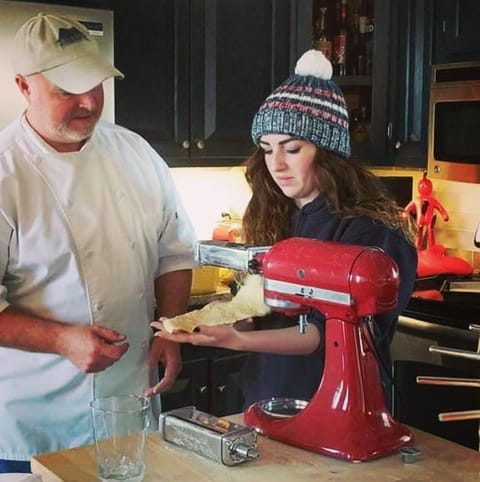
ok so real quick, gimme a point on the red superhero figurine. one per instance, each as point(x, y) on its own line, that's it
point(432, 258)
point(423, 208)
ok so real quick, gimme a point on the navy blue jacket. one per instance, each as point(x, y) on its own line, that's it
point(292, 376)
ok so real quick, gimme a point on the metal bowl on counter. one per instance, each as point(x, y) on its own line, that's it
point(283, 407)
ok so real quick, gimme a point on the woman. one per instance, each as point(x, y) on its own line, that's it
point(303, 184)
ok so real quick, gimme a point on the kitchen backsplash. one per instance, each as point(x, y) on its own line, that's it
point(461, 200)
point(207, 192)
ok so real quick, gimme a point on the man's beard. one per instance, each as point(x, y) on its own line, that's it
point(68, 134)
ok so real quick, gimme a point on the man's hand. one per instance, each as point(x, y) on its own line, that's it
point(167, 353)
point(92, 348)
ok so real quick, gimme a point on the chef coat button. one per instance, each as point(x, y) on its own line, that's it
point(99, 307)
point(132, 244)
point(140, 295)
point(144, 344)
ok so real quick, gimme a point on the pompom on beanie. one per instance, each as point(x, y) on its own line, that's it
point(308, 105)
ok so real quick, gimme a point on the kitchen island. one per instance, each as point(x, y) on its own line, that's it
point(440, 460)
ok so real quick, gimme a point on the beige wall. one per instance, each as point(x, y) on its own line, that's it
point(207, 192)
point(462, 202)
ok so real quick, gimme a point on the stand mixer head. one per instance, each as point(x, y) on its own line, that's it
point(347, 417)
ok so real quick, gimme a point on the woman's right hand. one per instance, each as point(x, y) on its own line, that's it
point(221, 336)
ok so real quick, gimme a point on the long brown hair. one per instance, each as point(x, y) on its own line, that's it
point(349, 188)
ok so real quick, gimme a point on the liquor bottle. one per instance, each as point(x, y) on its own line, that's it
point(369, 36)
point(355, 65)
point(323, 40)
point(361, 129)
point(340, 41)
point(360, 56)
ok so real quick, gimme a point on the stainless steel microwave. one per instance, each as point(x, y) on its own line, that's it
point(454, 122)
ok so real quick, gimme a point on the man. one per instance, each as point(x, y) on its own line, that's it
point(93, 241)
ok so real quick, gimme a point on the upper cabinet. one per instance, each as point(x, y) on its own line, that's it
point(424, 32)
point(355, 34)
point(411, 34)
point(196, 71)
point(457, 33)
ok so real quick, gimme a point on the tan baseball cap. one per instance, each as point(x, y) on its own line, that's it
point(63, 50)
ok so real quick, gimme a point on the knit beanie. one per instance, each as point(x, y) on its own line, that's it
point(308, 105)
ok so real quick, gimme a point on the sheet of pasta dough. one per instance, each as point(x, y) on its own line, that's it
point(248, 302)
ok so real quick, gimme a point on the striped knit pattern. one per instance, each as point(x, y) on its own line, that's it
point(309, 108)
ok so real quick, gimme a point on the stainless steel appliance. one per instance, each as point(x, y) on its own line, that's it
point(454, 122)
point(212, 437)
point(13, 14)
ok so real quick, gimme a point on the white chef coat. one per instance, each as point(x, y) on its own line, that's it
point(83, 236)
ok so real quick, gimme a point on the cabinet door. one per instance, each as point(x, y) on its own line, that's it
point(369, 91)
point(190, 387)
point(457, 36)
point(409, 91)
point(152, 50)
point(239, 52)
point(225, 396)
point(196, 71)
point(379, 128)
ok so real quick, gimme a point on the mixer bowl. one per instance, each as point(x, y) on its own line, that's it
point(283, 407)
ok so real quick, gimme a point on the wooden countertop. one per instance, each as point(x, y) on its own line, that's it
point(440, 460)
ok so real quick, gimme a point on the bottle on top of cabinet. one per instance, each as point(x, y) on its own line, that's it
point(340, 39)
point(322, 38)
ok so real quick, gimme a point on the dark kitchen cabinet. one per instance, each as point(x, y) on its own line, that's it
point(226, 397)
point(425, 323)
point(424, 32)
point(457, 33)
point(190, 387)
point(209, 380)
point(370, 91)
point(196, 71)
point(418, 405)
point(411, 33)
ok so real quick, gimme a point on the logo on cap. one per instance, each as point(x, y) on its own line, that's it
point(68, 36)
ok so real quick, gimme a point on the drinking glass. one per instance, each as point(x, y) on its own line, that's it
point(120, 425)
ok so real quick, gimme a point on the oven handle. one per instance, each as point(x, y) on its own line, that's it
point(455, 416)
point(452, 381)
point(471, 355)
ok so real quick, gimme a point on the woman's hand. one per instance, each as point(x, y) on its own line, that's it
point(222, 336)
point(282, 341)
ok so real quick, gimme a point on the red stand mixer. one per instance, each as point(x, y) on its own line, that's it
point(347, 417)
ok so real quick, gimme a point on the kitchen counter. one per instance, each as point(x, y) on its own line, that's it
point(222, 293)
point(440, 460)
point(455, 315)
point(433, 302)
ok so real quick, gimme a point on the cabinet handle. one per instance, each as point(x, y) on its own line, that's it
point(202, 389)
point(200, 145)
point(221, 388)
point(398, 144)
point(389, 130)
point(186, 144)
